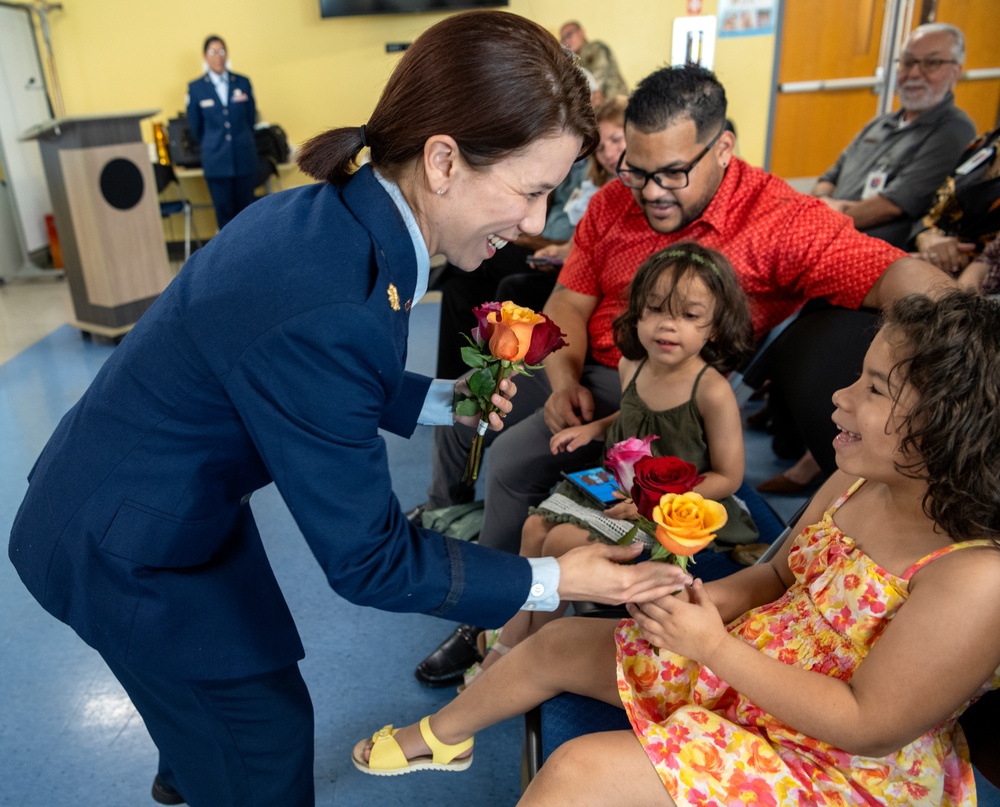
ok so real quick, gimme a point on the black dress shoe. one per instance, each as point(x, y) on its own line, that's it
point(164, 793)
point(445, 666)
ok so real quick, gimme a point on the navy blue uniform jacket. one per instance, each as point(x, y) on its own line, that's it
point(226, 150)
point(275, 354)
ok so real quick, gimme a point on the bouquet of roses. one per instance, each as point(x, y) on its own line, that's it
point(682, 521)
point(507, 338)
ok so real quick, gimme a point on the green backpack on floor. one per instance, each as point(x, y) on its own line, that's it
point(461, 521)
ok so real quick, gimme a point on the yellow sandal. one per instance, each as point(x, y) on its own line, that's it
point(387, 758)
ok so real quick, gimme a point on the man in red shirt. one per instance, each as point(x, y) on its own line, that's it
point(680, 181)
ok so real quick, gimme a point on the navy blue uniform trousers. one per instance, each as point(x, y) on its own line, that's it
point(230, 743)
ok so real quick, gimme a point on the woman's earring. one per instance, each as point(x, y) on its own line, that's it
point(440, 191)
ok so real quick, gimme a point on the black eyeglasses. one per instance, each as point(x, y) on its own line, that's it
point(670, 179)
point(926, 66)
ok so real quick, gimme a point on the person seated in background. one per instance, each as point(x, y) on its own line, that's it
point(832, 675)
point(965, 216)
point(679, 181)
point(596, 57)
point(886, 178)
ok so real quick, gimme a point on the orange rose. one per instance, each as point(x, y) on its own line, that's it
point(510, 330)
point(687, 522)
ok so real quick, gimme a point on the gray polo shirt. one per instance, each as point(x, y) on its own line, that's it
point(916, 157)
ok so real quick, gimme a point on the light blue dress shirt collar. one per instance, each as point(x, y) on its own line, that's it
point(419, 247)
point(221, 83)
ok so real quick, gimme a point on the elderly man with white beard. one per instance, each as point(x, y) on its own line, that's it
point(886, 178)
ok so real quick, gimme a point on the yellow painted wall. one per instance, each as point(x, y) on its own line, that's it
point(310, 73)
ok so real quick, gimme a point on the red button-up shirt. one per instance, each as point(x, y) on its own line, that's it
point(786, 247)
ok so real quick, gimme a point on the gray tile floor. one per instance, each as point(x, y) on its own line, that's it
point(68, 734)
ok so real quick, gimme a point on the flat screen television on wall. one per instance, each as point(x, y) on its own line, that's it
point(350, 8)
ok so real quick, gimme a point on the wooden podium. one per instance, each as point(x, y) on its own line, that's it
point(107, 215)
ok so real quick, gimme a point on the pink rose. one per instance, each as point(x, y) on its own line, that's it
point(623, 456)
point(546, 338)
point(481, 333)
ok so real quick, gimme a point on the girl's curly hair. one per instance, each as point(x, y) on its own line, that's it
point(948, 351)
point(732, 342)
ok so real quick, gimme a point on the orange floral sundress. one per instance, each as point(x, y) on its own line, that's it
point(714, 748)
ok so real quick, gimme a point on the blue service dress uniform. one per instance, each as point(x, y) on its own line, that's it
point(275, 355)
point(225, 134)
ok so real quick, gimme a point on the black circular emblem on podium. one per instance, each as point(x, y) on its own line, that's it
point(122, 183)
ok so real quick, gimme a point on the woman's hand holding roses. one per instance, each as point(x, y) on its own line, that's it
point(501, 400)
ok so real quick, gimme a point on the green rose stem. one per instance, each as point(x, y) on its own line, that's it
point(497, 372)
point(656, 553)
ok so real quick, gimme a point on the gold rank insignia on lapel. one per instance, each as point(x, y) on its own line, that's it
point(393, 297)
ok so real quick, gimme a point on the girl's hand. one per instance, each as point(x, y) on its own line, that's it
point(625, 509)
point(692, 629)
point(570, 439)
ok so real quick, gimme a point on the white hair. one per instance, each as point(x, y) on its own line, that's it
point(957, 48)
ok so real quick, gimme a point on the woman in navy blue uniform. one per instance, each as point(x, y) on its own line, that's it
point(277, 354)
point(221, 111)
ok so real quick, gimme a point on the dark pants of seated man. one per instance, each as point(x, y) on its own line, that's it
point(815, 356)
point(229, 743)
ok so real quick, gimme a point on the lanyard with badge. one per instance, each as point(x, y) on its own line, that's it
point(875, 182)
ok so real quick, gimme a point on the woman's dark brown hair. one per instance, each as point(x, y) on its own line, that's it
point(732, 341)
point(494, 81)
point(209, 40)
point(948, 352)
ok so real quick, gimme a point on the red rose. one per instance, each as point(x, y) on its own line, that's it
point(656, 476)
point(546, 338)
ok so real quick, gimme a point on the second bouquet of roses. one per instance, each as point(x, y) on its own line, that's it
point(507, 338)
point(682, 522)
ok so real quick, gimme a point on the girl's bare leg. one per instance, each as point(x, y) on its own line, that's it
point(533, 534)
point(570, 655)
point(596, 770)
point(539, 538)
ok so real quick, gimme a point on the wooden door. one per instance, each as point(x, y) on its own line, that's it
point(824, 42)
point(978, 19)
point(840, 44)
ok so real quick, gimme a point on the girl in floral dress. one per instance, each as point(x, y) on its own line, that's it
point(833, 675)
